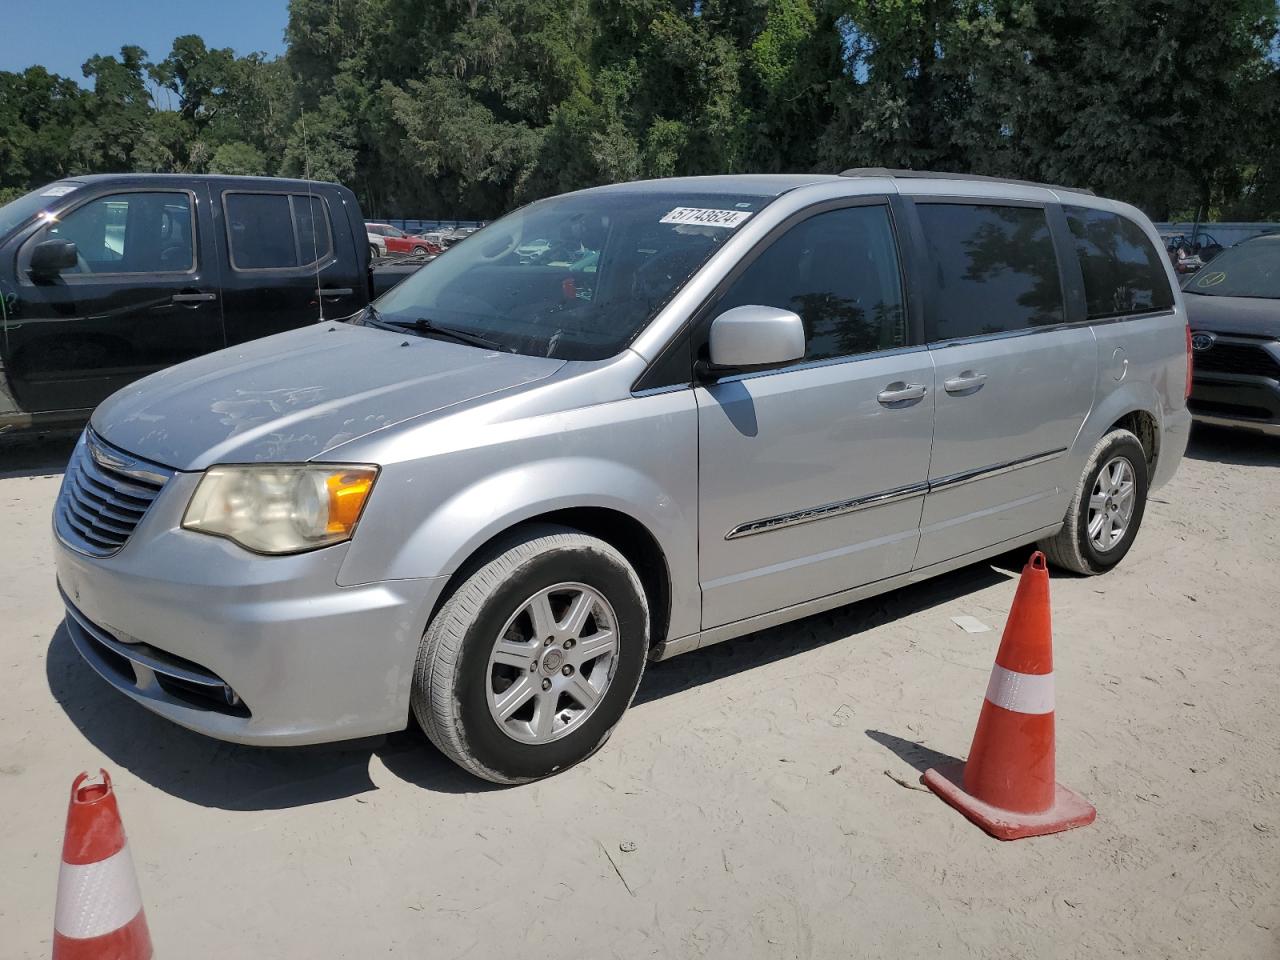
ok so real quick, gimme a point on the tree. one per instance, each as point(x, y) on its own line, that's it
point(468, 107)
point(238, 159)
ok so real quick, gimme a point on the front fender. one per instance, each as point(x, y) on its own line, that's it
point(637, 456)
point(455, 529)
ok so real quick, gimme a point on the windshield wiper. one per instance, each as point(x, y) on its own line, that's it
point(373, 318)
point(430, 328)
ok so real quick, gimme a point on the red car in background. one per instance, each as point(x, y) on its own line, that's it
point(400, 242)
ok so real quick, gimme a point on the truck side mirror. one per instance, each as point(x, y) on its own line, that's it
point(756, 337)
point(51, 257)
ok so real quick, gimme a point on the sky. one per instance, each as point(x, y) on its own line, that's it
point(62, 34)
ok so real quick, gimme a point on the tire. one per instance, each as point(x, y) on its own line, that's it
point(456, 684)
point(1073, 547)
point(373, 252)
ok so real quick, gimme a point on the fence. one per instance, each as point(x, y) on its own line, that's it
point(1227, 234)
point(431, 226)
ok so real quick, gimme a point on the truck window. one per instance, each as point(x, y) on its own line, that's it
point(1123, 273)
point(994, 269)
point(130, 233)
point(274, 231)
point(839, 271)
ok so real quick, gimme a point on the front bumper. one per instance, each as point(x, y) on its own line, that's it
point(251, 649)
point(1236, 400)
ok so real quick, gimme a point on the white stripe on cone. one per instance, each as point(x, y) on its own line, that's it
point(1021, 692)
point(97, 898)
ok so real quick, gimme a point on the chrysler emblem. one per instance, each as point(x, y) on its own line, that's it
point(1200, 342)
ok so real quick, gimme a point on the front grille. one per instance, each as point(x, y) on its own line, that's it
point(1237, 358)
point(105, 493)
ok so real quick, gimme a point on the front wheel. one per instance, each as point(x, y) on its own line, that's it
point(1106, 510)
point(530, 664)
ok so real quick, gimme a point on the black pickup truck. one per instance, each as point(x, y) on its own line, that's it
point(104, 279)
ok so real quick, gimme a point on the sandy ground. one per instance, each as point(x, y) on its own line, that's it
point(769, 785)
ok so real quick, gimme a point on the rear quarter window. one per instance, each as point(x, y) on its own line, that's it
point(1123, 272)
point(275, 231)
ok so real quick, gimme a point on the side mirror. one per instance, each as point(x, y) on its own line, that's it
point(51, 257)
point(756, 337)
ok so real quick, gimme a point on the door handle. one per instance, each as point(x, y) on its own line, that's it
point(337, 292)
point(899, 392)
point(968, 380)
point(194, 297)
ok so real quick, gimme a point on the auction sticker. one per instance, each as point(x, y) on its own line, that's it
point(706, 217)
point(59, 190)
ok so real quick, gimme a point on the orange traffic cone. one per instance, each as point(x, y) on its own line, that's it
point(1007, 787)
point(99, 912)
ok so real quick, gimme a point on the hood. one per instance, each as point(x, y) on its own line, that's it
point(1252, 316)
point(293, 396)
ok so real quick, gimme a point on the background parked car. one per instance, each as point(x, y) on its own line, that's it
point(1233, 307)
point(396, 240)
point(104, 279)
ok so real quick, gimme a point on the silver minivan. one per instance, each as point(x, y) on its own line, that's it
point(702, 407)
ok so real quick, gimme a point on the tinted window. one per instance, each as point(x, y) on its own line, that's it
point(260, 226)
point(275, 230)
point(1123, 272)
point(130, 233)
point(839, 271)
point(312, 224)
point(994, 267)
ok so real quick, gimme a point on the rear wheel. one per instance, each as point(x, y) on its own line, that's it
point(373, 252)
point(530, 664)
point(1106, 510)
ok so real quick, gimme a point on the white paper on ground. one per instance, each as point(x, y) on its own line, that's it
point(970, 624)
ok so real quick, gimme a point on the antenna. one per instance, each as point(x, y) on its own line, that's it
point(311, 211)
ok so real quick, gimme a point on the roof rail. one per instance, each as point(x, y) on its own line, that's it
point(937, 175)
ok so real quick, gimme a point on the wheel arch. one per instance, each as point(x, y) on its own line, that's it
point(1134, 407)
point(620, 530)
point(1143, 425)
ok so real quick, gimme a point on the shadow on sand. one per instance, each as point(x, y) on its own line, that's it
point(228, 776)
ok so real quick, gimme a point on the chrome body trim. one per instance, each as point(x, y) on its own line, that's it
point(895, 495)
point(121, 462)
point(739, 628)
point(827, 510)
point(982, 473)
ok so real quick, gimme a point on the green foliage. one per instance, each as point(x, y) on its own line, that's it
point(468, 107)
point(239, 159)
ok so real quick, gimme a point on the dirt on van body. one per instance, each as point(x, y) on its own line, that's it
point(761, 799)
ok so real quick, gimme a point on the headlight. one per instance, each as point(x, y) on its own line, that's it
point(281, 509)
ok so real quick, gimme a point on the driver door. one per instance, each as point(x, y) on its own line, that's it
point(143, 296)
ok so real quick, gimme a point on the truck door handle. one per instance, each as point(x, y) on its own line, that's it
point(899, 392)
point(337, 292)
point(968, 380)
point(194, 297)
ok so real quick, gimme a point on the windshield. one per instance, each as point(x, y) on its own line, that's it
point(574, 277)
point(17, 212)
point(1249, 270)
